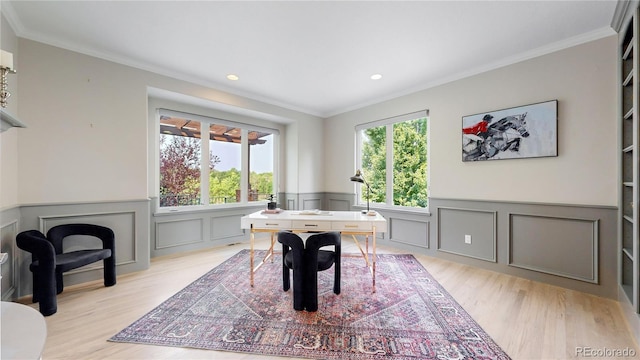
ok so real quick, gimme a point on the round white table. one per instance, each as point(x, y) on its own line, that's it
point(23, 332)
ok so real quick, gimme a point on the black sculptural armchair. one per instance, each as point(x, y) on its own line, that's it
point(320, 260)
point(49, 261)
point(293, 258)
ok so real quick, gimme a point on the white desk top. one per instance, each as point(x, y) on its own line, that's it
point(317, 215)
point(23, 332)
point(335, 220)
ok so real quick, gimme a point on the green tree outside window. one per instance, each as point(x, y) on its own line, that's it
point(408, 164)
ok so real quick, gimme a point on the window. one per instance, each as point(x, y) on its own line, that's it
point(236, 164)
point(392, 155)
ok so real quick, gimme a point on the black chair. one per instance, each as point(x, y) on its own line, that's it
point(49, 262)
point(320, 260)
point(293, 258)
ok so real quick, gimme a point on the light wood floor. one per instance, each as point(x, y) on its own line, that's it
point(529, 320)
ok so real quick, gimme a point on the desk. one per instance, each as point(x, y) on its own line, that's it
point(346, 222)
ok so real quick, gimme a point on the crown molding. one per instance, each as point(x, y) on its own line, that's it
point(12, 18)
point(527, 55)
point(622, 7)
point(623, 10)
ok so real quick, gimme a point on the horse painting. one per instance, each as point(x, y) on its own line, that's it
point(487, 141)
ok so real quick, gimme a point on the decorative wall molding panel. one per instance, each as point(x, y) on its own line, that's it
point(129, 220)
point(171, 233)
point(468, 232)
point(559, 246)
point(311, 203)
point(502, 235)
point(190, 230)
point(409, 232)
point(571, 246)
point(225, 227)
point(10, 279)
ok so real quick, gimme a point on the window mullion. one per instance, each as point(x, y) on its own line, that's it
point(204, 164)
point(358, 165)
point(389, 165)
point(244, 174)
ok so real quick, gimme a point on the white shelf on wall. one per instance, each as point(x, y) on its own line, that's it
point(629, 222)
point(9, 120)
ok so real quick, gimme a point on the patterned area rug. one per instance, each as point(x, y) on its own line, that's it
point(410, 316)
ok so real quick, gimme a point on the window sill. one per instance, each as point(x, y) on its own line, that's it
point(209, 208)
point(394, 209)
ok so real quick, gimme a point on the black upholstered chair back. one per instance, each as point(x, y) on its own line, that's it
point(43, 268)
point(293, 258)
point(320, 260)
point(57, 234)
point(42, 250)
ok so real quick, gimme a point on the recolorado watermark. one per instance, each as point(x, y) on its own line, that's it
point(604, 352)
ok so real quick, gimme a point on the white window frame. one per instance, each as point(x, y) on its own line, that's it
point(205, 122)
point(389, 122)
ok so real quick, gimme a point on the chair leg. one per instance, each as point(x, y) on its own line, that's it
point(59, 282)
point(36, 291)
point(337, 268)
point(286, 285)
point(298, 290)
point(46, 293)
point(109, 265)
point(311, 296)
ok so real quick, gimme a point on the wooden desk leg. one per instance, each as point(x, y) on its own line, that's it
point(373, 259)
point(273, 242)
point(366, 245)
point(365, 256)
point(251, 258)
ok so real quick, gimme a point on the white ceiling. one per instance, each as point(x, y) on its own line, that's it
point(313, 56)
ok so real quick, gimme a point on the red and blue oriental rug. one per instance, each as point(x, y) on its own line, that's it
point(410, 316)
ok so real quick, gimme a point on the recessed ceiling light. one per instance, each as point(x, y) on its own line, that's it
point(376, 77)
point(232, 77)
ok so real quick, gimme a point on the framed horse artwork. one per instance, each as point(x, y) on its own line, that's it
point(521, 132)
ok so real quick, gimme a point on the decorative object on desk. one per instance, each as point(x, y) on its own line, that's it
point(410, 316)
point(271, 205)
point(315, 212)
point(274, 211)
point(6, 67)
point(515, 133)
point(359, 178)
